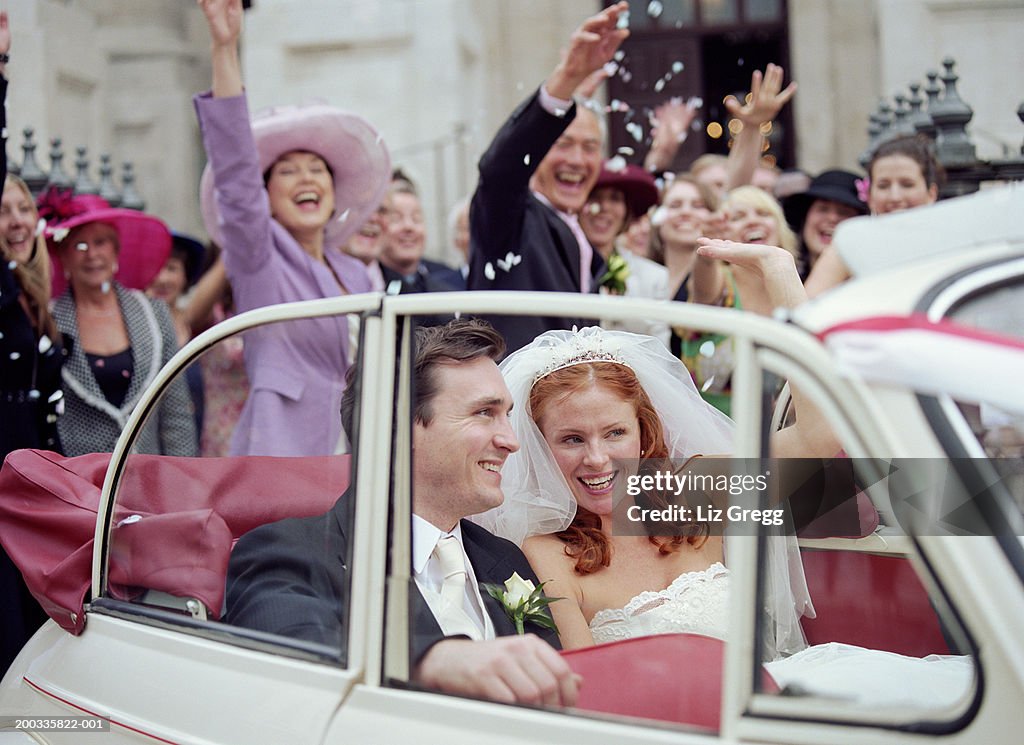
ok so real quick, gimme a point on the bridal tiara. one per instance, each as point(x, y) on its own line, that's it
point(580, 348)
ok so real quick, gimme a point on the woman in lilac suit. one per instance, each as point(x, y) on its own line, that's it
point(281, 197)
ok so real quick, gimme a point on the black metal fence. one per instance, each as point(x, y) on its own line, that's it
point(126, 195)
point(942, 116)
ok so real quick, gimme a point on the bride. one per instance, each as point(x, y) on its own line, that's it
point(583, 402)
point(586, 401)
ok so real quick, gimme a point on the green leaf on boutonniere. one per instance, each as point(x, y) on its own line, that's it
point(523, 602)
point(614, 279)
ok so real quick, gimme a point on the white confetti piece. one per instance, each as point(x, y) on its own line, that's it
point(677, 67)
point(616, 164)
point(489, 270)
point(654, 8)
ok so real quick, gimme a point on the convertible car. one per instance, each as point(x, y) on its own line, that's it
point(916, 574)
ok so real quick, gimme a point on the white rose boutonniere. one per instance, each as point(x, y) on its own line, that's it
point(523, 602)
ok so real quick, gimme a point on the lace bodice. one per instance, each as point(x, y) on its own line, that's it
point(695, 602)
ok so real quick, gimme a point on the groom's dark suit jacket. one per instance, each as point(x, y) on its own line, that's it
point(291, 578)
point(507, 221)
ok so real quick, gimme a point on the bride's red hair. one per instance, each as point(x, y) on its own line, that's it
point(584, 539)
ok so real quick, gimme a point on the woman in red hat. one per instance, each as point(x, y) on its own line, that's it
point(116, 339)
point(621, 194)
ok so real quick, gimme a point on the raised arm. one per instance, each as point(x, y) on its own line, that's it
point(828, 271)
point(591, 46)
point(208, 290)
point(810, 436)
point(224, 20)
point(767, 98)
point(672, 124)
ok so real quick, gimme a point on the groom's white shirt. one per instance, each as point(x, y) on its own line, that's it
point(427, 574)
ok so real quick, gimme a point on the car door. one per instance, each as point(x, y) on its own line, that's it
point(157, 657)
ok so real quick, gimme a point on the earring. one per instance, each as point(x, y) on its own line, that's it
point(642, 451)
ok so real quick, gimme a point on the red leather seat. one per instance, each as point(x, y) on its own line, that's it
point(871, 601)
point(671, 677)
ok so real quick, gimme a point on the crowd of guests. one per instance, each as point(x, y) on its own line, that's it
point(302, 203)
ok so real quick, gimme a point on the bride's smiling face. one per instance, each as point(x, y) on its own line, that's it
point(588, 430)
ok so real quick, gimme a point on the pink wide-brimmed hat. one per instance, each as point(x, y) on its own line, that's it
point(144, 240)
point(352, 149)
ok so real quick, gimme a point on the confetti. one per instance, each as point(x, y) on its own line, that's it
point(619, 55)
point(654, 8)
point(610, 68)
point(659, 86)
point(344, 215)
point(34, 395)
point(488, 270)
point(626, 151)
point(616, 164)
point(40, 226)
point(593, 208)
point(677, 67)
point(105, 288)
point(508, 262)
point(659, 216)
point(623, 21)
point(82, 246)
point(15, 355)
point(12, 265)
point(44, 344)
point(740, 62)
point(707, 349)
point(627, 76)
point(526, 159)
point(636, 130)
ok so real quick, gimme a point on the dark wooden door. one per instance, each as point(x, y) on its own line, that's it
point(703, 48)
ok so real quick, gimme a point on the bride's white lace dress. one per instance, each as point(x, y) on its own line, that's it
point(698, 603)
point(695, 602)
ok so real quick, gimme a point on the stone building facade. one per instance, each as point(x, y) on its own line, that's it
point(437, 77)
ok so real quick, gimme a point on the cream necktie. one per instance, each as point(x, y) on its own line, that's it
point(453, 618)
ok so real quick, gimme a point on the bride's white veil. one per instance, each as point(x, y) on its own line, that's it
point(538, 500)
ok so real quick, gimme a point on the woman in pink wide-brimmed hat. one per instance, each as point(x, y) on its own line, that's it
point(116, 339)
point(281, 195)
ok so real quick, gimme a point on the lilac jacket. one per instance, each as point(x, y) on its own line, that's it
point(297, 369)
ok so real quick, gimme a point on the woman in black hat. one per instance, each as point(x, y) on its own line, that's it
point(814, 214)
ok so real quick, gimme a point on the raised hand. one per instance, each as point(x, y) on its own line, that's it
point(767, 97)
point(224, 19)
point(591, 83)
point(774, 265)
point(591, 46)
point(671, 124)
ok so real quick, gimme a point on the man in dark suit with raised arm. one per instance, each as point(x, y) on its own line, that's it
point(291, 577)
point(534, 180)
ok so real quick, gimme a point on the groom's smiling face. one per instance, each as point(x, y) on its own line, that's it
point(458, 454)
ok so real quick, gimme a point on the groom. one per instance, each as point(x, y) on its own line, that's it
point(291, 577)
